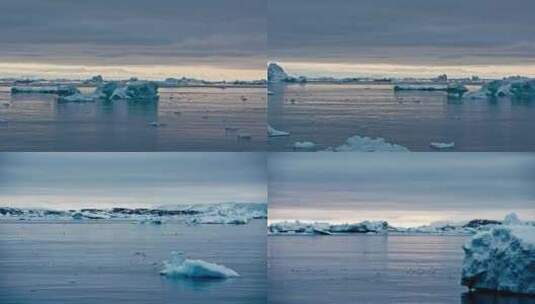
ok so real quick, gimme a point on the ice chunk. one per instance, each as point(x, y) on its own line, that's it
point(366, 144)
point(307, 145)
point(135, 90)
point(501, 259)
point(276, 73)
point(272, 132)
point(195, 269)
point(512, 219)
point(515, 87)
point(441, 145)
point(62, 90)
point(78, 97)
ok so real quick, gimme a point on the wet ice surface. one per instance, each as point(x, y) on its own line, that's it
point(328, 114)
point(120, 262)
point(370, 268)
point(184, 119)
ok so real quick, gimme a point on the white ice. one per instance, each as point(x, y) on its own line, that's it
point(180, 267)
point(305, 145)
point(501, 259)
point(272, 132)
point(366, 144)
point(442, 146)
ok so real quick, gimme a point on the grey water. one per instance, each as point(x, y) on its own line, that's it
point(327, 114)
point(111, 262)
point(193, 119)
point(370, 269)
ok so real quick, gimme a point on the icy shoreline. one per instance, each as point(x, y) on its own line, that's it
point(382, 227)
point(220, 213)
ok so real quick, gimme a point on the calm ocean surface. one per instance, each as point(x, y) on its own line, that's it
point(120, 262)
point(196, 119)
point(370, 269)
point(327, 114)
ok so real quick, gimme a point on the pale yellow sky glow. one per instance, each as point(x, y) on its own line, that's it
point(402, 218)
point(150, 72)
point(315, 69)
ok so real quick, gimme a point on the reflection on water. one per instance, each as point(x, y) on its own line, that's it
point(328, 114)
point(493, 298)
point(184, 119)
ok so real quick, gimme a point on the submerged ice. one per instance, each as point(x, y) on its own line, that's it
point(180, 267)
point(501, 259)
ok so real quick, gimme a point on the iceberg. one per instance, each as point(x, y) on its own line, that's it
point(366, 144)
point(276, 73)
point(136, 90)
point(62, 90)
point(501, 259)
point(305, 145)
point(179, 267)
point(514, 87)
point(272, 132)
point(326, 228)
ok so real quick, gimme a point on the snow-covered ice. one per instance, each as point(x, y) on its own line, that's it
point(180, 267)
point(366, 144)
point(272, 132)
point(219, 213)
point(62, 90)
point(501, 259)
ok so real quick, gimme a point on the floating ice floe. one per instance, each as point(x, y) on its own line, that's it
point(366, 144)
point(442, 146)
point(288, 227)
point(501, 259)
point(304, 145)
point(272, 132)
point(62, 90)
point(515, 87)
point(179, 267)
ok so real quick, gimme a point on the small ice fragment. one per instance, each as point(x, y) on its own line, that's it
point(270, 93)
point(179, 267)
point(157, 124)
point(272, 132)
point(440, 145)
point(304, 145)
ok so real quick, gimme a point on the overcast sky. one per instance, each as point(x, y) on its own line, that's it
point(158, 38)
point(74, 180)
point(410, 37)
point(404, 189)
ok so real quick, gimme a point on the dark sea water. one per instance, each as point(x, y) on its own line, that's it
point(370, 269)
point(120, 262)
point(327, 114)
point(196, 119)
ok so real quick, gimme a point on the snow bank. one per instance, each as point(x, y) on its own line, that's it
point(272, 132)
point(195, 269)
point(501, 259)
point(62, 90)
point(276, 73)
point(515, 87)
point(366, 144)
